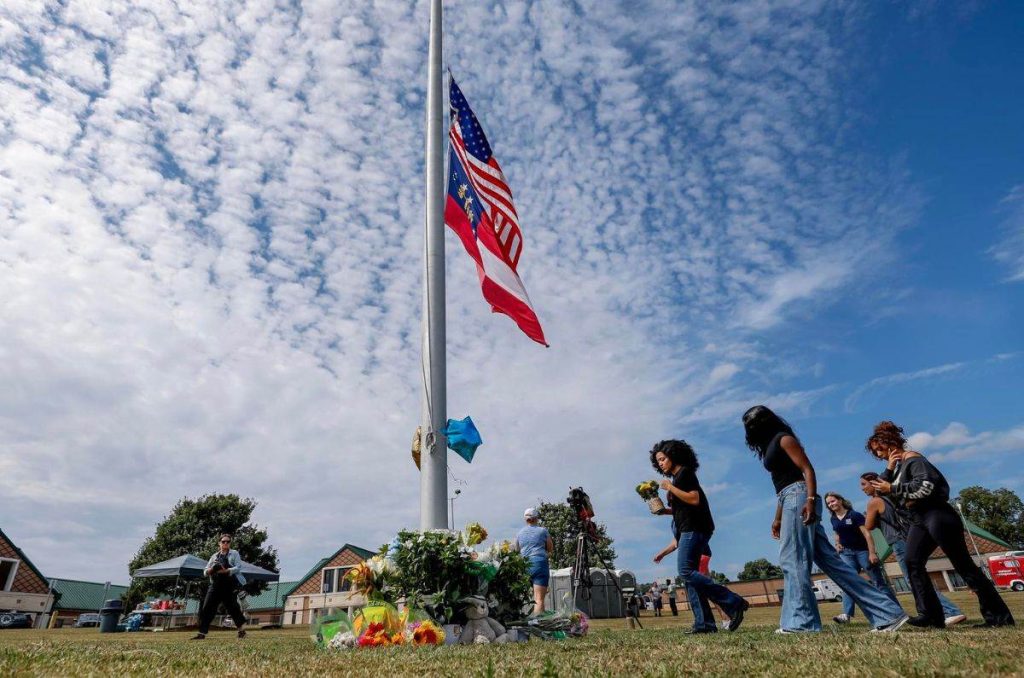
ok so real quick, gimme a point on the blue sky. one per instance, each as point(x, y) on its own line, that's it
point(210, 225)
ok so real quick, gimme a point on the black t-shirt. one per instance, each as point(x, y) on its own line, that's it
point(687, 517)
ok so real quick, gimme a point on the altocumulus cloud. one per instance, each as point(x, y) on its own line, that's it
point(211, 253)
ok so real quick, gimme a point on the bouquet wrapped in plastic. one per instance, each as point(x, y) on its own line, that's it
point(333, 631)
point(648, 491)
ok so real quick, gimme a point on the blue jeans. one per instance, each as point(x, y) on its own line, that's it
point(699, 588)
point(949, 609)
point(859, 561)
point(803, 546)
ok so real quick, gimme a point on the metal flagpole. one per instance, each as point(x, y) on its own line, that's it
point(434, 455)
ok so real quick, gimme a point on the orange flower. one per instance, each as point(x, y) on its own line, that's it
point(427, 633)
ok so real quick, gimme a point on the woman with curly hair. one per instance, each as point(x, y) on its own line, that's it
point(856, 548)
point(803, 541)
point(914, 484)
point(692, 527)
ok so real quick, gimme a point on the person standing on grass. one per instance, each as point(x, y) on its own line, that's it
point(692, 527)
point(670, 592)
point(856, 547)
point(534, 543)
point(803, 541)
point(884, 515)
point(656, 599)
point(914, 484)
point(225, 572)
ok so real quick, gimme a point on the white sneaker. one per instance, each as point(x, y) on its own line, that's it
point(955, 619)
point(784, 632)
point(893, 626)
point(841, 619)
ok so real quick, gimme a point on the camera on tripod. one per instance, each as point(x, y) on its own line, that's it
point(580, 503)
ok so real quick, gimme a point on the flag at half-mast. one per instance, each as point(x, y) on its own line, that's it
point(479, 209)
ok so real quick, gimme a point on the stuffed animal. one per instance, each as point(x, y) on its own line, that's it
point(480, 628)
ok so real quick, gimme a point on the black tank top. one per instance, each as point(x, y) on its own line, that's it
point(784, 471)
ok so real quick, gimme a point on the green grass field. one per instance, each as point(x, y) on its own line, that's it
point(611, 649)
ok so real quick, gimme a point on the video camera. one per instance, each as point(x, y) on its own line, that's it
point(580, 503)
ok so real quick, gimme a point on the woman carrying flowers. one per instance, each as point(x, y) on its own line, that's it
point(692, 527)
point(534, 543)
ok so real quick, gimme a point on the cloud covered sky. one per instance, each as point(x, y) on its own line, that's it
point(210, 257)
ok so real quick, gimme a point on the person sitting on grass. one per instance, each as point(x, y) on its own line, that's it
point(224, 571)
point(803, 541)
point(856, 547)
point(884, 515)
point(692, 527)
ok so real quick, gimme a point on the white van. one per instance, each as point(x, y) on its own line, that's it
point(826, 589)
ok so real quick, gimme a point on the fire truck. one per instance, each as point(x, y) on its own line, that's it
point(1008, 570)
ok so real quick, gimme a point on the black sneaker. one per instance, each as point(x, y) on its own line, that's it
point(695, 632)
point(993, 625)
point(241, 633)
point(198, 636)
point(737, 617)
point(923, 622)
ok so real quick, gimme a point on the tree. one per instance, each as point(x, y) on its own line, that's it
point(194, 526)
point(1001, 512)
point(719, 578)
point(563, 525)
point(759, 569)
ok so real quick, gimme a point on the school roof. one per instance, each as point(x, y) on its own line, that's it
point(84, 595)
point(358, 550)
point(21, 555)
point(273, 597)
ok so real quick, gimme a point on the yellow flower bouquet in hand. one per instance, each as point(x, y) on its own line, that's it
point(648, 491)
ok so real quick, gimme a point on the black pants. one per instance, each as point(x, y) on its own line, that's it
point(672, 604)
point(941, 526)
point(220, 593)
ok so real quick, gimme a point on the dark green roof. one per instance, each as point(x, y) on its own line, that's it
point(985, 534)
point(273, 597)
point(83, 595)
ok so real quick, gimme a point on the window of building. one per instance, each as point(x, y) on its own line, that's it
point(957, 580)
point(8, 568)
point(294, 617)
point(333, 580)
point(899, 584)
point(327, 580)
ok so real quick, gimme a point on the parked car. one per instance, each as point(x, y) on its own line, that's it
point(88, 619)
point(15, 620)
point(826, 589)
point(1007, 571)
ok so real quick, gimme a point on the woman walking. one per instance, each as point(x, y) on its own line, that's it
point(914, 484)
point(884, 515)
point(534, 543)
point(692, 527)
point(856, 548)
point(803, 540)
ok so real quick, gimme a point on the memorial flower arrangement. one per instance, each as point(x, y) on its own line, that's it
point(431, 572)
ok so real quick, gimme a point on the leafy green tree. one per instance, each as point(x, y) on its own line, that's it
point(719, 578)
point(761, 568)
point(1001, 512)
point(194, 526)
point(563, 525)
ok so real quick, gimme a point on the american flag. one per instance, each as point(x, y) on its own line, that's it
point(479, 209)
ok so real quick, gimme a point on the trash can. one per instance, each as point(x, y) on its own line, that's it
point(109, 615)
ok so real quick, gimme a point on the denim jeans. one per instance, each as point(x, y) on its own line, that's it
point(949, 608)
point(803, 546)
point(859, 560)
point(699, 588)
